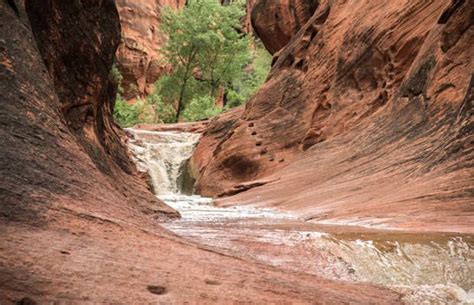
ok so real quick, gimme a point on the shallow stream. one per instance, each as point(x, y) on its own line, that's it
point(430, 268)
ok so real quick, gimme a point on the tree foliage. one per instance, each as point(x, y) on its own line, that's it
point(128, 115)
point(206, 49)
point(201, 107)
point(209, 54)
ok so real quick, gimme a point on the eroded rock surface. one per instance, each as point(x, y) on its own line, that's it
point(366, 119)
point(76, 226)
point(59, 142)
point(277, 21)
point(139, 56)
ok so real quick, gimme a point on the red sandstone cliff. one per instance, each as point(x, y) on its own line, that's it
point(59, 142)
point(366, 118)
point(277, 21)
point(138, 55)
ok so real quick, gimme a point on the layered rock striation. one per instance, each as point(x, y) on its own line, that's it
point(366, 118)
point(275, 22)
point(75, 221)
point(60, 146)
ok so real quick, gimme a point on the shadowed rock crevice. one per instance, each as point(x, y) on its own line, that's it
point(13, 6)
point(453, 7)
point(276, 21)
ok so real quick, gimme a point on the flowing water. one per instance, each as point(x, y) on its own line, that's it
point(426, 268)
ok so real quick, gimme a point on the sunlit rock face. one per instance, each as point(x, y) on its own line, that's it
point(366, 119)
point(139, 56)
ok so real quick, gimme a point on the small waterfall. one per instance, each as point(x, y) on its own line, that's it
point(164, 155)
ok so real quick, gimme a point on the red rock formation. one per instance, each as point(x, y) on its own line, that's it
point(138, 56)
point(60, 143)
point(277, 21)
point(75, 226)
point(367, 115)
point(248, 28)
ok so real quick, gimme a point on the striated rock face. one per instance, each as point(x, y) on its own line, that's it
point(138, 55)
point(74, 224)
point(60, 148)
point(277, 21)
point(366, 119)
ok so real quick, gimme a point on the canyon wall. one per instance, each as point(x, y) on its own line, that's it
point(366, 118)
point(275, 22)
point(138, 55)
point(60, 148)
point(75, 222)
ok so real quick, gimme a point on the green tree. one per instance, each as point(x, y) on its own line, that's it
point(164, 112)
point(241, 89)
point(206, 49)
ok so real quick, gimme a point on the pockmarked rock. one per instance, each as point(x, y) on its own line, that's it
point(366, 119)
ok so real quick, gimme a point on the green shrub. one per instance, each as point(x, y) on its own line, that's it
point(128, 115)
point(201, 107)
point(164, 112)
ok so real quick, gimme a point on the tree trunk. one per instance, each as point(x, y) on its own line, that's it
point(180, 101)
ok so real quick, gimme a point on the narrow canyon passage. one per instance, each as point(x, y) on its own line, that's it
point(431, 267)
point(332, 163)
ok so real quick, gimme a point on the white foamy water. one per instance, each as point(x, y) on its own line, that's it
point(163, 155)
point(426, 270)
point(197, 208)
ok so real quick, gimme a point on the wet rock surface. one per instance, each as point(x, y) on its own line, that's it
point(365, 120)
point(425, 268)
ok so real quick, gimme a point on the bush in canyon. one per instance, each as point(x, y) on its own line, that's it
point(201, 107)
point(128, 114)
point(207, 50)
point(163, 112)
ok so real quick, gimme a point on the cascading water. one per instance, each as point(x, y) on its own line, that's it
point(427, 269)
point(164, 155)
